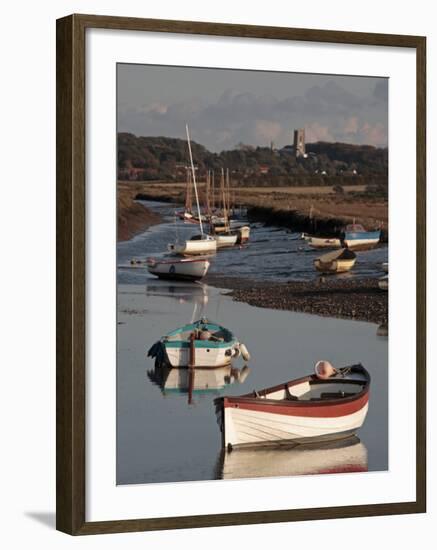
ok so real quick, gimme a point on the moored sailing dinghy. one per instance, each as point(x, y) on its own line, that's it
point(338, 261)
point(356, 237)
point(222, 231)
point(199, 344)
point(199, 244)
point(191, 269)
point(328, 405)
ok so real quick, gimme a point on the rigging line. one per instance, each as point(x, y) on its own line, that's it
point(194, 180)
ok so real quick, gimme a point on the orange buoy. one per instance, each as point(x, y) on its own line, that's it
point(324, 370)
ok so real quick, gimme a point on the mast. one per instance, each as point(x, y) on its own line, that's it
point(213, 192)
point(207, 188)
point(194, 180)
point(228, 192)
point(188, 199)
point(223, 189)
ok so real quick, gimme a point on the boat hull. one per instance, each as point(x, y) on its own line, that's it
point(205, 357)
point(225, 241)
point(245, 426)
point(321, 242)
point(195, 247)
point(243, 234)
point(383, 283)
point(192, 270)
point(336, 266)
point(361, 240)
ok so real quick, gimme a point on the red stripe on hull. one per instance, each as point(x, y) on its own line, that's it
point(320, 410)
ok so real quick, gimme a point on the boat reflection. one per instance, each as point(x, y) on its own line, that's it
point(347, 455)
point(196, 381)
point(182, 292)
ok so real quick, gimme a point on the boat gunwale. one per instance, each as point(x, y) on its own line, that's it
point(250, 398)
point(200, 343)
point(175, 261)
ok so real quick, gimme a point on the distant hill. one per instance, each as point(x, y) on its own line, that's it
point(166, 159)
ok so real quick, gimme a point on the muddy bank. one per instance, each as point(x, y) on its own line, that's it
point(132, 217)
point(359, 300)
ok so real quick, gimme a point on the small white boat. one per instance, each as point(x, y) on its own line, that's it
point(338, 261)
point(328, 405)
point(335, 457)
point(225, 240)
point(191, 269)
point(201, 344)
point(199, 244)
point(383, 283)
point(243, 234)
point(323, 242)
point(356, 237)
point(384, 267)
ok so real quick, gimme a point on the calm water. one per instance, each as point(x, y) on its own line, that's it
point(272, 253)
point(162, 438)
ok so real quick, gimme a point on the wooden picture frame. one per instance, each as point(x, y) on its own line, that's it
point(71, 247)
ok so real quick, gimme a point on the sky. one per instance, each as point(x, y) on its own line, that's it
point(224, 107)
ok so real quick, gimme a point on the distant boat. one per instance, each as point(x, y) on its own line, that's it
point(201, 344)
point(220, 227)
point(225, 240)
point(335, 457)
point(338, 261)
point(198, 244)
point(323, 242)
point(191, 269)
point(383, 282)
point(243, 234)
point(314, 408)
point(356, 237)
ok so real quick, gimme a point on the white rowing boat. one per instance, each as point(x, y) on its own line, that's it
point(314, 408)
point(338, 261)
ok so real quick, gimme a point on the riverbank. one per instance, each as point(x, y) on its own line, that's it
point(309, 209)
point(132, 217)
point(358, 299)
